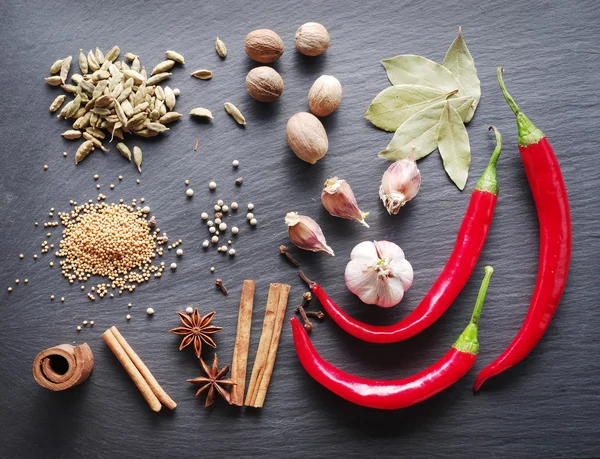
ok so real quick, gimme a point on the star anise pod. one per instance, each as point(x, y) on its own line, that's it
point(213, 382)
point(196, 329)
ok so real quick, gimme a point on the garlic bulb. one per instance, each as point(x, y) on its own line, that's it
point(306, 233)
point(338, 198)
point(400, 183)
point(378, 273)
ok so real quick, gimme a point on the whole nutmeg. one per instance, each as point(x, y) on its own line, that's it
point(264, 46)
point(306, 136)
point(312, 39)
point(264, 84)
point(325, 95)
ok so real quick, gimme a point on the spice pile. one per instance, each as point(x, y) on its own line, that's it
point(115, 96)
point(115, 241)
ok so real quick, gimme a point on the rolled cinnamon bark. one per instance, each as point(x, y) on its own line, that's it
point(80, 363)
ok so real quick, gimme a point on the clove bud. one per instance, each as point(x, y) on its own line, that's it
point(400, 184)
point(306, 234)
point(339, 200)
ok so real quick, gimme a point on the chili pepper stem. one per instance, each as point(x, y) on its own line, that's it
point(488, 181)
point(467, 341)
point(528, 133)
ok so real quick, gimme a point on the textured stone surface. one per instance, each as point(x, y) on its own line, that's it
point(545, 407)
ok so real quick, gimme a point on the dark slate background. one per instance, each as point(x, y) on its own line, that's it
point(548, 406)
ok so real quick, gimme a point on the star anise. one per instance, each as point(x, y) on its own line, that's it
point(196, 329)
point(213, 382)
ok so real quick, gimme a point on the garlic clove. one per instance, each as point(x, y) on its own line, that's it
point(365, 252)
point(362, 282)
point(339, 200)
point(306, 233)
point(388, 250)
point(400, 183)
point(402, 270)
point(389, 292)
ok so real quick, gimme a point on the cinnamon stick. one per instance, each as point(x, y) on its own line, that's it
point(162, 396)
point(80, 363)
point(242, 343)
point(267, 347)
point(135, 375)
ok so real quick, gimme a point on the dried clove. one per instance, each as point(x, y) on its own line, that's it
point(283, 250)
point(319, 315)
point(219, 283)
point(301, 310)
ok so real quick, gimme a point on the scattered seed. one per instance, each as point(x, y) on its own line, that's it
point(189, 192)
point(173, 265)
point(238, 181)
point(202, 74)
point(175, 56)
point(176, 91)
point(214, 239)
point(201, 113)
point(57, 102)
point(234, 205)
point(253, 222)
point(21, 256)
point(205, 243)
point(211, 185)
point(212, 269)
point(196, 144)
point(179, 252)
point(235, 113)
point(128, 316)
point(62, 299)
point(249, 215)
point(78, 327)
point(149, 311)
point(235, 163)
point(51, 297)
point(45, 167)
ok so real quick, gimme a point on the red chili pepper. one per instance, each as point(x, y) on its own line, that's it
point(550, 196)
point(459, 267)
point(400, 393)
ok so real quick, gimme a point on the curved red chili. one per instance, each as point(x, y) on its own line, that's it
point(550, 196)
point(400, 393)
point(459, 267)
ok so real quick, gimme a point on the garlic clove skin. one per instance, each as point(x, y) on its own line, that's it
point(378, 273)
point(306, 233)
point(339, 200)
point(400, 183)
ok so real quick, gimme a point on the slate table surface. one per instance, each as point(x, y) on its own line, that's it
point(548, 406)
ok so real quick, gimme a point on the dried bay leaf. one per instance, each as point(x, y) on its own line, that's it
point(421, 131)
point(453, 144)
point(412, 69)
point(394, 105)
point(460, 62)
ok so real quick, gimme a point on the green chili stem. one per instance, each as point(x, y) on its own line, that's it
point(488, 181)
point(528, 133)
point(467, 341)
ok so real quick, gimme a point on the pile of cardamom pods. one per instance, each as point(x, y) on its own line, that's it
point(114, 96)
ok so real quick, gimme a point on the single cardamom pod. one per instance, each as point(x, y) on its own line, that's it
point(159, 93)
point(169, 117)
point(84, 149)
point(202, 74)
point(157, 127)
point(55, 68)
point(99, 56)
point(113, 54)
point(163, 67)
point(82, 122)
point(96, 133)
point(235, 113)
point(71, 134)
point(93, 64)
point(201, 112)
point(175, 56)
point(143, 132)
point(170, 100)
point(137, 158)
point(127, 108)
point(120, 114)
point(135, 65)
point(76, 78)
point(65, 68)
point(140, 108)
point(69, 88)
point(103, 101)
point(54, 80)
point(75, 104)
point(124, 150)
point(155, 79)
point(137, 77)
point(130, 56)
point(56, 103)
point(221, 48)
point(83, 63)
